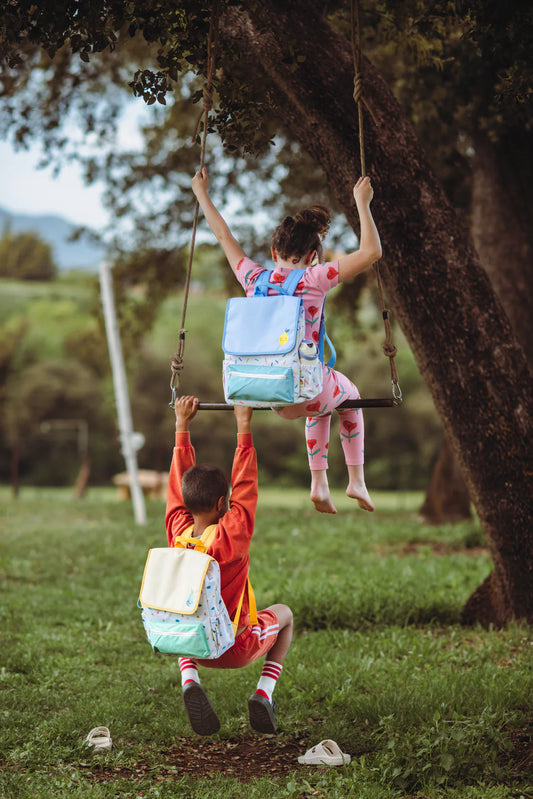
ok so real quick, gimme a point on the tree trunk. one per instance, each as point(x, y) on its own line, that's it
point(502, 210)
point(461, 339)
point(82, 480)
point(15, 459)
point(447, 498)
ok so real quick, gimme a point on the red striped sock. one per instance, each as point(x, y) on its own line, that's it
point(189, 671)
point(268, 679)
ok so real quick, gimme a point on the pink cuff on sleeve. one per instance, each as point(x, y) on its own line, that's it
point(183, 440)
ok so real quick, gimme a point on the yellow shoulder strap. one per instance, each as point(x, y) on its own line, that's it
point(251, 603)
point(208, 535)
point(202, 543)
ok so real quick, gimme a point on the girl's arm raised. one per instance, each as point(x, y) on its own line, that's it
point(370, 245)
point(232, 249)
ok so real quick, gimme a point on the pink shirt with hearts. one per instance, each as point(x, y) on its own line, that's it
point(313, 287)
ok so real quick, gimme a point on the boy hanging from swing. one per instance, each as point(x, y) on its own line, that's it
point(200, 494)
point(296, 244)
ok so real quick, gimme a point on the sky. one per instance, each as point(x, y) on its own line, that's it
point(26, 189)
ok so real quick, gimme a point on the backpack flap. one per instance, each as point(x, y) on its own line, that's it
point(173, 579)
point(261, 325)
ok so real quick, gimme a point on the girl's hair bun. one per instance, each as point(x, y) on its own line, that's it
point(302, 233)
point(317, 217)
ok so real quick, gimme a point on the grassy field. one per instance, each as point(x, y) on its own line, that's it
point(379, 661)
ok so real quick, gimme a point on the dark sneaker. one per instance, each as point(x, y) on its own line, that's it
point(202, 717)
point(262, 714)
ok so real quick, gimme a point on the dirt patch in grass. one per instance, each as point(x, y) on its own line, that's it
point(436, 547)
point(520, 756)
point(246, 759)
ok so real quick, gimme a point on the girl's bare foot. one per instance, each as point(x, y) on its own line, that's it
point(357, 489)
point(320, 496)
point(362, 496)
point(323, 505)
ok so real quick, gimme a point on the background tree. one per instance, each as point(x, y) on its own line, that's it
point(10, 338)
point(25, 256)
point(50, 391)
point(447, 498)
point(461, 338)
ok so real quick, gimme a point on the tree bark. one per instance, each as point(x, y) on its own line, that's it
point(502, 210)
point(456, 327)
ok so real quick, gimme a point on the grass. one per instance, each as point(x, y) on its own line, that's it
point(379, 661)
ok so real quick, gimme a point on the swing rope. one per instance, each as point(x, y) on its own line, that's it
point(176, 366)
point(389, 349)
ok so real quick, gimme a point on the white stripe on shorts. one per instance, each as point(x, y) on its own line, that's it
point(272, 629)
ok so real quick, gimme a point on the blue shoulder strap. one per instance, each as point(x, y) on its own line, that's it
point(262, 284)
point(333, 356)
point(290, 283)
point(323, 336)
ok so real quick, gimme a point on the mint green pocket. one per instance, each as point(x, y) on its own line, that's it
point(184, 639)
point(260, 383)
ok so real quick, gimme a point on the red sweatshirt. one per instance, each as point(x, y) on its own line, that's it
point(231, 544)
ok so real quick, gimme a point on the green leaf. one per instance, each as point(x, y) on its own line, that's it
point(447, 761)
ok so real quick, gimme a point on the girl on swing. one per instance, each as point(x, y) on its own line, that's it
point(295, 245)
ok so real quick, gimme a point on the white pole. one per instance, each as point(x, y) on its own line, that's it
point(128, 438)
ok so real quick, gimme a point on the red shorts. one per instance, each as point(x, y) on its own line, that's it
point(254, 641)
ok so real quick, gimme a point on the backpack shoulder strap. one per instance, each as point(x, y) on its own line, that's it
point(323, 337)
point(290, 283)
point(180, 541)
point(252, 607)
point(207, 536)
point(333, 351)
point(262, 283)
point(201, 543)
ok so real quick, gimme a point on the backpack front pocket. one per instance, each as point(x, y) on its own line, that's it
point(187, 639)
point(253, 382)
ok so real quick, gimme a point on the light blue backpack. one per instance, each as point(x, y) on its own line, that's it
point(268, 361)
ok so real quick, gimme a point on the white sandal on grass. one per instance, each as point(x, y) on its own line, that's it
point(99, 739)
point(326, 753)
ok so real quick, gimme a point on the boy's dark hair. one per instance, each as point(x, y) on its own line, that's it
point(202, 486)
point(300, 234)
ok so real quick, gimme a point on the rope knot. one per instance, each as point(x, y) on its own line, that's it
point(176, 365)
point(389, 349)
point(362, 101)
point(207, 105)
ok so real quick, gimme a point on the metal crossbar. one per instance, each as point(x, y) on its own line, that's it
point(378, 402)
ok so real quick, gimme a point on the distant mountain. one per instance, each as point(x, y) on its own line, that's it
point(81, 254)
